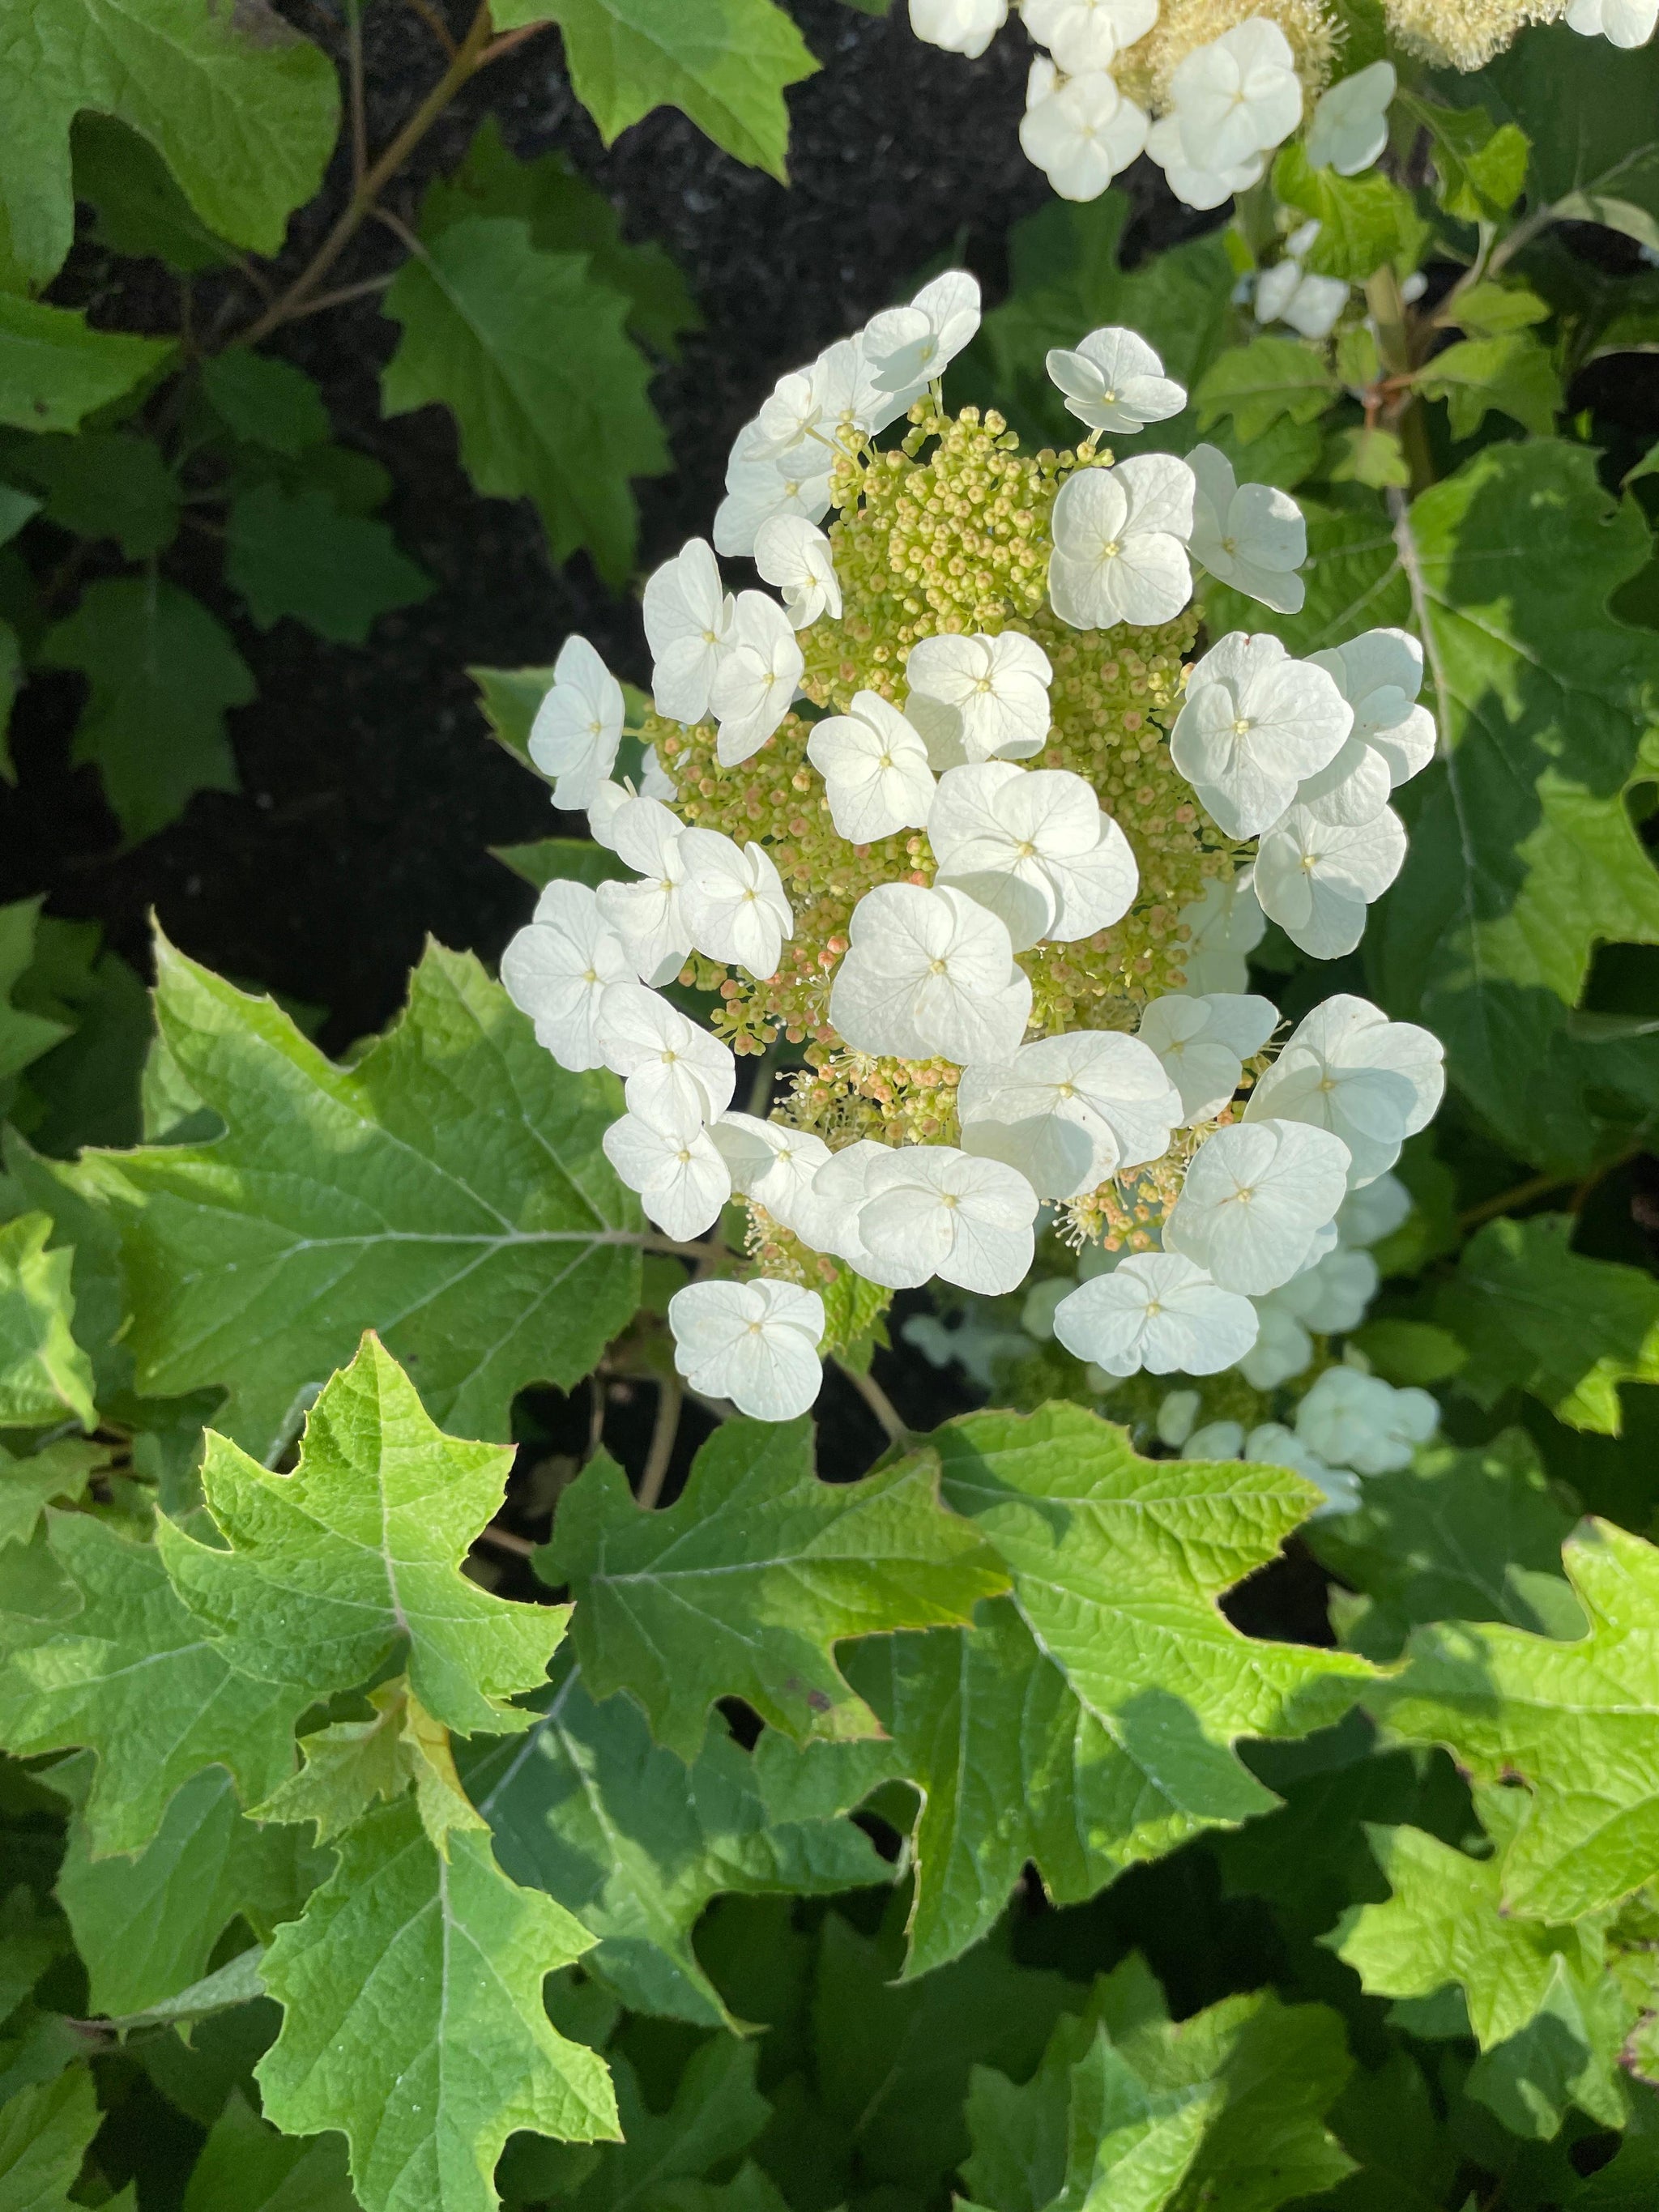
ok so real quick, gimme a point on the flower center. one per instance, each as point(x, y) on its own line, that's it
point(936, 967)
point(1153, 1307)
point(1230, 545)
point(589, 975)
point(950, 1202)
point(1110, 550)
point(1025, 851)
point(669, 1056)
point(885, 760)
point(1066, 1091)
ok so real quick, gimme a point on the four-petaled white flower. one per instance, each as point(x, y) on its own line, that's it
point(759, 487)
point(1373, 1212)
point(771, 1163)
point(1256, 1197)
point(826, 1213)
point(999, 687)
point(1288, 293)
point(755, 683)
point(1081, 131)
point(1349, 126)
point(1283, 1348)
point(1255, 722)
point(794, 554)
point(675, 1075)
point(930, 1210)
point(1202, 1043)
point(681, 1179)
point(1068, 1111)
point(579, 725)
point(1332, 1295)
point(648, 916)
point(1088, 34)
point(556, 970)
point(689, 618)
point(1120, 544)
point(908, 347)
point(875, 770)
point(1033, 846)
point(733, 901)
point(1347, 1068)
point(1224, 927)
point(754, 1343)
point(1316, 878)
point(1625, 22)
point(1358, 1420)
point(1159, 1311)
point(929, 972)
point(1237, 97)
point(961, 26)
point(1380, 675)
point(1194, 183)
point(1251, 535)
point(803, 416)
point(1113, 381)
point(603, 809)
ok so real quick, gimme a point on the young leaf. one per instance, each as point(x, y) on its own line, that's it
point(447, 1189)
point(246, 2167)
point(1261, 383)
point(1365, 221)
point(126, 1672)
point(413, 2019)
point(44, 1373)
point(745, 1585)
point(325, 1572)
point(162, 674)
point(107, 484)
point(45, 2134)
point(53, 370)
point(1480, 168)
point(529, 352)
point(1514, 374)
point(241, 108)
point(29, 1486)
point(346, 1767)
point(265, 402)
point(1579, 1723)
point(296, 554)
point(724, 62)
point(589, 1809)
point(1538, 1316)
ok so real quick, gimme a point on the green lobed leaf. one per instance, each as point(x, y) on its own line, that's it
point(724, 62)
point(1594, 140)
point(55, 370)
point(245, 2166)
point(1538, 1316)
point(529, 351)
point(45, 2135)
point(242, 109)
point(587, 1807)
point(1365, 221)
point(107, 484)
point(1480, 167)
point(1261, 383)
point(413, 2019)
point(29, 1486)
point(162, 674)
point(717, 2112)
point(1513, 374)
point(137, 208)
point(107, 1658)
point(44, 1373)
point(26, 1030)
point(561, 860)
point(296, 554)
point(265, 401)
point(743, 1587)
point(447, 1189)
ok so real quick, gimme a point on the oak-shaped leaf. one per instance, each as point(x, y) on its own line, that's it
point(744, 1586)
point(43, 1372)
point(413, 2018)
point(326, 1571)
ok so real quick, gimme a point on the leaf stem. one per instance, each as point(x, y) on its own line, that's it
point(878, 1402)
point(505, 1539)
point(665, 1431)
point(435, 23)
point(1538, 1186)
point(354, 82)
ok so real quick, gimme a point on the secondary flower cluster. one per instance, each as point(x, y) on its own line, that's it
point(1210, 89)
point(997, 876)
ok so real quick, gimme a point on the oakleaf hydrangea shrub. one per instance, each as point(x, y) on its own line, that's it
point(968, 815)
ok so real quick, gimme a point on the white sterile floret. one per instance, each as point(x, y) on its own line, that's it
point(1033, 846)
point(681, 1179)
point(929, 972)
point(961, 26)
point(1113, 381)
point(1255, 722)
point(556, 970)
point(1347, 1068)
point(1068, 1111)
point(1286, 292)
point(754, 686)
point(1088, 34)
point(648, 916)
point(1193, 182)
point(875, 770)
point(1224, 927)
point(1215, 1440)
point(1271, 1444)
point(999, 687)
point(1202, 1043)
point(1316, 878)
point(770, 1163)
point(803, 416)
point(1176, 1417)
point(603, 809)
point(1374, 1211)
point(759, 487)
point(579, 725)
point(754, 1343)
point(1157, 1311)
point(1238, 96)
point(794, 554)
point(1349, 126)
point(1256, 1196)
point(1331, 1296)
point(1081, 131)
point(1252, 536)
point(1360, 1421)
point(675, 1075)
point(908, 347)
point(931, 1210)
point(1625, 22)
point(826, 1212)
point(688, 618)
point(1380, 674)
point(1120, 544)
point(733, 901)
point(1282, 1349)
point(655, 781)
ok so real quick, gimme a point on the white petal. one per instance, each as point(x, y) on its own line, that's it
point(754, 1343)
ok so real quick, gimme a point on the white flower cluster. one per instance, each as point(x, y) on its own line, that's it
point(1625, 22)
point(1301, 755)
